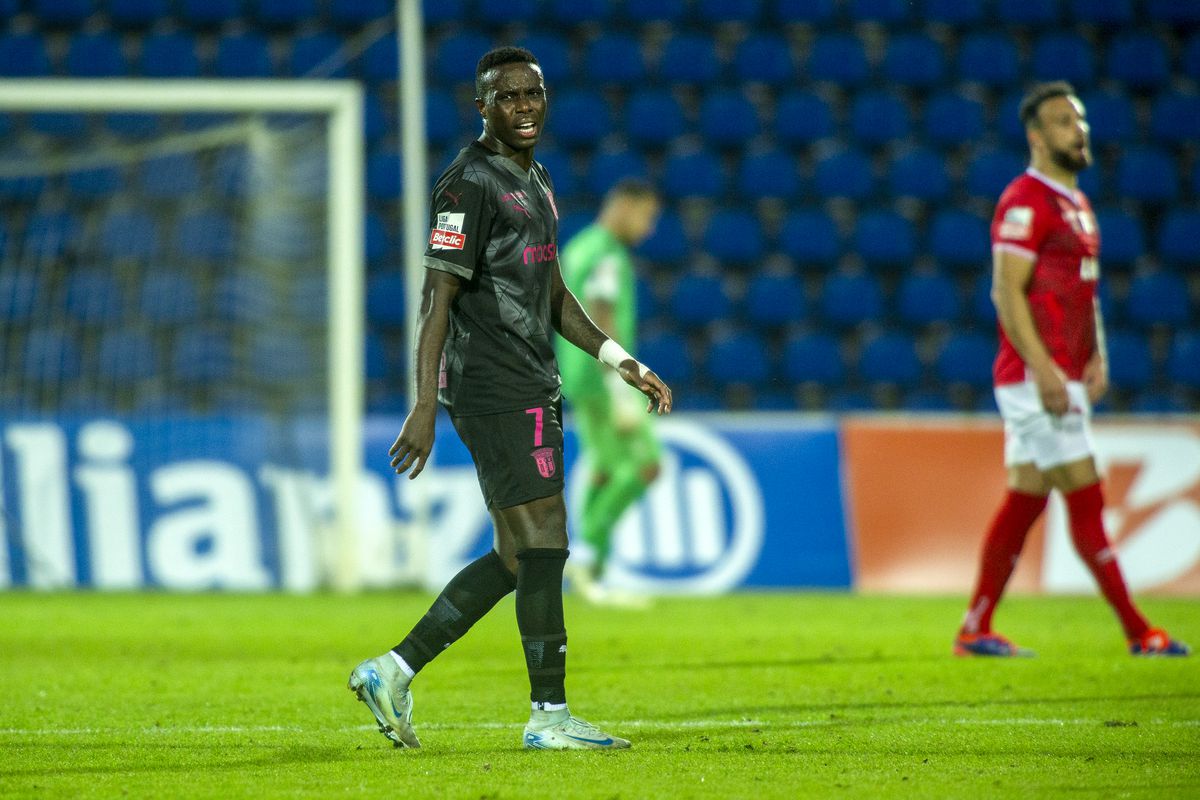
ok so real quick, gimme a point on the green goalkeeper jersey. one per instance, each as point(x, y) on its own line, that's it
point(596, 266)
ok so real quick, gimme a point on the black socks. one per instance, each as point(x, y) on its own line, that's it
point(540, 620)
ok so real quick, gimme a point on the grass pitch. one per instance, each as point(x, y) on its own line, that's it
point(758, 696)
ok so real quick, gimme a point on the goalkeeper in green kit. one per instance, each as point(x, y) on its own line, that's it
point(613, 430)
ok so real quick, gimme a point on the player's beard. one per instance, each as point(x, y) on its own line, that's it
point(1071, 161)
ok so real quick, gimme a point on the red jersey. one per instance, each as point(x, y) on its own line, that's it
point(1053, 225)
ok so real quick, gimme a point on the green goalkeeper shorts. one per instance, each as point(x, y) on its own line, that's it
point(606, 447)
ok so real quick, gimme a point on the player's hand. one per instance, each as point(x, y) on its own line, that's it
point(657, 393)
point(1052, 389)
point(1095, 378)
point(415, 442)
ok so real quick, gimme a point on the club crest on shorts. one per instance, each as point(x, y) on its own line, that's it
point(544, 457)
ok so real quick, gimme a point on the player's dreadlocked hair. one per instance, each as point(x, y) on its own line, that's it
point(497, 57)
point(1039, 94)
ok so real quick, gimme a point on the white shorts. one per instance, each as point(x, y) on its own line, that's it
point(1031, 434)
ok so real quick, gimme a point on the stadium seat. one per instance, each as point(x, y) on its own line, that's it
point(668, 353)
point(803, 118)
point(51, 355)
point(849, 401)
point(768, 173)
point(845, 173)
point(959, 13)
point(642, 11)
point(356, 13)
point(169, 55)
point(443, 125)
point(714, 11)
point(1113, 13)
point(1158, 298)
point(248, 297)
point(128, 233)
point(925, 298)
point(1190, 58)
point(952, 119)
point(1064, 56)
point(582, 117)
point(1175, 117)
point(727, 118)
point(1155, 402)
point(765, 58)
point(1138, 59)
point(914, 60)
point(209, 13)
point(885, 239)
point(503, 12)
point(439, 12)
point(1179, 239)
point(284, 13)
point(95, 55)
point(774, 298)
point(558, 164)
point(890, 358)
point(992, 170)
point(920, 173)
point(813, 358)
point(699, 298)
point(877, 117)
point(137, 13)
point(207, 235)
point(615, 58)
point(653, 117)
point(100, 182)
point(377, 238)
point(1008, 121)
point(774, 400)
point(1183, 361)
point(983, 310)
point(554, 57)
point(170, 176)
point(54, 13)
point(848, 299)
point(376, 363)
point(455, 57)
point(689, 58)
point(1111, 116)
point(279, 356)
point(1148, 174)
point(22, 295)
point(1130, 365)
point(381, 60)
point(127, 354)
point(50, 233)
point(243, 55)
point(169, 297)
point(1177, 12)
point(886, 12)
point(838, 58)
point(810, 237)
point(925, 400)
point(385, 299)
point(202, 354)
point(734, 236)
point(960, 240)
point(384, 177)
point(318, 55)
point(738, 357)
point(648, 305)
point(804, 11)
point(575, 12)
point(696, 173)
point(609, 166)
point(967, 358)
point(23, 55)
point(1121, 237)
point(988, 58)
point(668, 244)
point(92, 296)
point(1028, 12)
point(62, 125)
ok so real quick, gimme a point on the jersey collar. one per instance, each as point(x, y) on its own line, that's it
point(1064, 190)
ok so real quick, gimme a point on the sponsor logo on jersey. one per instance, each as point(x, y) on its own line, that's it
point(539, 253)
point(448, 234)
point(544, 458)
point(516, 202)
point(1017, 223)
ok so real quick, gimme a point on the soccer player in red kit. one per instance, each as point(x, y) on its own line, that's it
point(1050, 368)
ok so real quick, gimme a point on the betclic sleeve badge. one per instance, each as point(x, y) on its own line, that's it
point(448, 234)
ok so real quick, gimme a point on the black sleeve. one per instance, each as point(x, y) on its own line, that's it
point(460, 219)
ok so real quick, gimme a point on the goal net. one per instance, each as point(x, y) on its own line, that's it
point(181, 332)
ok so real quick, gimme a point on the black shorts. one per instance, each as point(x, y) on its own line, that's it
point(518, 454)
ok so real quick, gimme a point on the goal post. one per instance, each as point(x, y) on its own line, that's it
point(341, 104)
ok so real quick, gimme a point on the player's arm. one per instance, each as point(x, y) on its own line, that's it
point(415, 442)
point(574, 325)
point(1095, 373)
point(1011, 272)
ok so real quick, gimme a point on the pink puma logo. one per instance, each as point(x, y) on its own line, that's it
point(454, 198)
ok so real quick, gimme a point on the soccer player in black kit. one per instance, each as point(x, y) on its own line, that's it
point(492, 298)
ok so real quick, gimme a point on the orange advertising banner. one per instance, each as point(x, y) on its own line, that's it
point(922, 492)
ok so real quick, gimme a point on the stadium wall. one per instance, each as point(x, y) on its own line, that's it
point(877, 504)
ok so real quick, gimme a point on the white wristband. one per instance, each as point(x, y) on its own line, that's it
point(613, 355)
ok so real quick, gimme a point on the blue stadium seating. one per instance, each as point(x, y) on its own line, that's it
point(1183, 362)
point(728, 118)
point(920, 173)
point(1122, 241)
point(689, 58)
point(92, 296)
point(377, 238)
point(63, 125)
point(802, 118)
point(439, 12)
point(738, 357)
point(924, 298)
point(206, 13)
point(696, 173)
point(806, 11)
point(810, 237)
point(1008, 121)
point(502, 12)
point(992, 170)
point(581, 117)
point(1190, 58)
point(100, 182)
point(243, 55)
point(845, 173)
point(318, 55)
point(385, 299)
point(1179, 238)
point(95, 55)
point(610, 166)
point(967, 358)
point(380, 61)
point(283, 13)
point(137, 13)
point(654, 10)
point(963, 13)
point(51, 355)
point(734, 236)
point(574, 12)
point(355, 13)
point(205, 235)
point(558, 164)
point(848, 299)
point(849, 401)
point(890, 358)
point(885, 239)
point(668, 244)
point(812, 358)
point(914, 60)
point(1111, 116)
point(129, 233)
point(983, 310)
point(22, 295)
point(838, 58)
point(554, 56)
point(384, 174)
point(988, 58)
point(50, 233)
point(1138, 59)
point(1147, 174)
point(699, 299)
point(202, 355)
point(376, 363)
point(768, 173)
point(279, 356)
point(23, 55)
point(667, 354)
point(891, 12)
point(712, 11)
point(1103, 12)
point(1175, 117)
point(62, 12)
point(169, 297)
point(648, 305)
point(877, 117)
point(952, 119)
point(653, 117)
point(1130, 365)
point(169, 55)
point(1028, 12)
point(1179, 12)
point(247, 297)
point(765, 58)
point(443, 125)
point(774, 298)
point(127, 354)
point(455, 57)
point(1155, 402)
point(926, 400)
point(1064, 56)
point(960, 240)
point(170, 176)
point(615, 57)
point(1158, 298)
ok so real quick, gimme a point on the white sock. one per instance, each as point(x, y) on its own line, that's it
point(404, 667)
point(549, 706)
